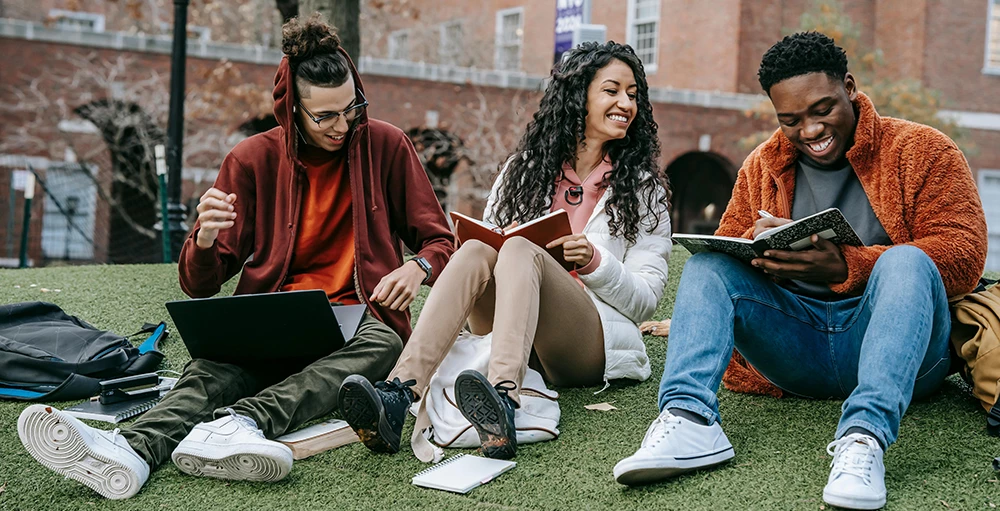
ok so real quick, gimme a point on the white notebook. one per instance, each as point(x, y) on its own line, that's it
point(462, 473)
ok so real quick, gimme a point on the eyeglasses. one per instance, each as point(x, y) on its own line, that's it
point(350, 114)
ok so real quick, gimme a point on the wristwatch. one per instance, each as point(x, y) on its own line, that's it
point(424, 265)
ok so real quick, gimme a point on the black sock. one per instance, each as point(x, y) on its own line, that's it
point(863, 431)
point(689, 415)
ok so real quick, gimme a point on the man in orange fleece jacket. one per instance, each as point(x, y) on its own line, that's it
point(866, 324)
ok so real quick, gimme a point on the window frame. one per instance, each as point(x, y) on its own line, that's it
point(630, 37)
point(443, 53)
point(499, 43)
point(992, 10)
point(393, 45)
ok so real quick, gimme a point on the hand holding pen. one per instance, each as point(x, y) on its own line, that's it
point(767, 221)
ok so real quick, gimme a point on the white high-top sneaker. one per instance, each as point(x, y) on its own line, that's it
point(671, 447)
point(101, 460)
point(857, 474)
point(232, 448)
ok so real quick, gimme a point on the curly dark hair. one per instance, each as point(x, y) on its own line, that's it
point(313, 49)
point(555, 132)
point(799, 54)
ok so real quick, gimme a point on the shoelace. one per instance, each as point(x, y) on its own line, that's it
point(854, 455)
point(395, 384)
point(245, 421)
point(662, 425)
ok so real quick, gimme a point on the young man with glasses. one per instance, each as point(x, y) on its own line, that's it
point(320, 202)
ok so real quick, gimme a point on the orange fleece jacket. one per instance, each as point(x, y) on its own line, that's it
point(919, 185)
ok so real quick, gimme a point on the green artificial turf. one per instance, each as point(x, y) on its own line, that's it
point(942, 459)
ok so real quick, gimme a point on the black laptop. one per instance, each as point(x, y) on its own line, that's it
point(290, 328)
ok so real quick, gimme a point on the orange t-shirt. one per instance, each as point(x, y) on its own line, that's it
point(324, 244)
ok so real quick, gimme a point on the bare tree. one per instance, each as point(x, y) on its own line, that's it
point(128, 109)
point(343, 14)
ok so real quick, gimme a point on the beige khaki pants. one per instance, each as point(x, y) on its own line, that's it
point(527, 300)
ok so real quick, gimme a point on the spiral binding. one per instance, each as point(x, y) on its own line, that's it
point(439, 465)
point(135, 410)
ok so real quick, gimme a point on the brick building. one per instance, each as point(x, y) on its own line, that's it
point(477, 72)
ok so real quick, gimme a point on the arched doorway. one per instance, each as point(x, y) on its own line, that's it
point(702, 184)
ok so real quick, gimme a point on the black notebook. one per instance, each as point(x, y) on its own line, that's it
point(829, 224)
point(117, 412)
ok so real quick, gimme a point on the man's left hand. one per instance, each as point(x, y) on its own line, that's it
point(398, 289)
point(822, 264)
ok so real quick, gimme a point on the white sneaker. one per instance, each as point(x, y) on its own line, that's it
point(671, 447)
point(232, 448)
point(857, 476)
point(102, 460)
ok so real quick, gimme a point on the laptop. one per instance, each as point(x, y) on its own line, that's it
point(289, 328)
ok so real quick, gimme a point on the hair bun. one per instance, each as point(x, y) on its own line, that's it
point(303, 39)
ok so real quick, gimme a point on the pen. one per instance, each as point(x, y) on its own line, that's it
point(764, 214)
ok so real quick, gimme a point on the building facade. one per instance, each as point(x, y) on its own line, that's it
point(476, 70)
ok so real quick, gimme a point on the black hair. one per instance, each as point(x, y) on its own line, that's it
point(555, 132)
point(799, 54)
point(313, 50)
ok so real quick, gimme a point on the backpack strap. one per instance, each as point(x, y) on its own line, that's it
point(72, 388)
point(993, 421)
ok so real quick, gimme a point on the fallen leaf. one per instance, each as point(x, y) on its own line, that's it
point(58, 290)
point(992, 504)
point(3, 487)
point(600, 407)
point(44, 290)
point(33, 285)
point(945, 504)
point(821, 507)
point(17, 287)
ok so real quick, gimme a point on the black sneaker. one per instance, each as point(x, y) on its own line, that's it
point(376, 413)
point(491, 412)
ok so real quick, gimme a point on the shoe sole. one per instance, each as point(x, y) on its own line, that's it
point(59, 445)
point(362, 409)
point(853, 502)
point(256, 463)
point(639, 472)
point(486, 413)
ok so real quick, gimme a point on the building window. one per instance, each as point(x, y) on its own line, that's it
point(643, 30)
point(989, 194)
point(399, 45)
point(452, 39)
point(993, 37)
point(509, 38)
point(72, 20)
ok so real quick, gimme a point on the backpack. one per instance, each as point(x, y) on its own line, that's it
point(975, 337)
point(46, 354)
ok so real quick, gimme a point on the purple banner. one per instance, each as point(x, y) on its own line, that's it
point(569, 15)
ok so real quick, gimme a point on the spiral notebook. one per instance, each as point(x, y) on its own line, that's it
point(117, 412)
point(462, 473)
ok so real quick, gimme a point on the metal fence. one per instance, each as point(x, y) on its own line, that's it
point(77, 214)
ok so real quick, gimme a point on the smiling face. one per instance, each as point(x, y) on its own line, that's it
point(611, 105)
point(320, 101)
point(816, 113)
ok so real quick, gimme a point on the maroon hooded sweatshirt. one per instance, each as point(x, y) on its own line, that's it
point(392, 199)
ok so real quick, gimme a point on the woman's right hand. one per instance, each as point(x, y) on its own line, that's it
point(215, 213)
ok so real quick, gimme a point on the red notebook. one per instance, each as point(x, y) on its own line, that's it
point(539, 231)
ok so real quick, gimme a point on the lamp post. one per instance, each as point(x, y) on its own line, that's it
point(175, 129)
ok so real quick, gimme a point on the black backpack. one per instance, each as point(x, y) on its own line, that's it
point(46, 354)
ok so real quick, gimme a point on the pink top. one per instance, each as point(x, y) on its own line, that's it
point(579, 200)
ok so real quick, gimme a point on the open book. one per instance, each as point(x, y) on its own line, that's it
point(461, 473)
point(539, 231)
point(318, 438)
point(829, 224)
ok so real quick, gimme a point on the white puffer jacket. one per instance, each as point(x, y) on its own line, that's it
point(626, 287)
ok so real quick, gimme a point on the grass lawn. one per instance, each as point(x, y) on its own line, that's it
point(942, 460)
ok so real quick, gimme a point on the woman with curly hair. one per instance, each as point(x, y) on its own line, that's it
point(321, 202)
point(592, 151)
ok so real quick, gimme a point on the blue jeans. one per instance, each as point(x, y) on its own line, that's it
point(877, 351)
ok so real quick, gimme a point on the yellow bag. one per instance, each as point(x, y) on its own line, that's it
point(975, 335)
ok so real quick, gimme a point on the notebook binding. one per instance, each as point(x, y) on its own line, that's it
point(439, 465)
